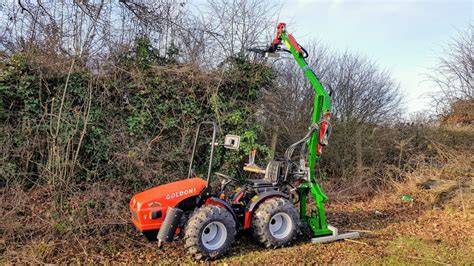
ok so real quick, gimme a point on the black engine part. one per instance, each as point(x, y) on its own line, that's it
point(169, 225)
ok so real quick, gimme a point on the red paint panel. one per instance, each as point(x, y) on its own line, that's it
point(247, 220)
point(294, 44)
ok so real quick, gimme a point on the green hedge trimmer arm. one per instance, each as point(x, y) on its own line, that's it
point(321, 111)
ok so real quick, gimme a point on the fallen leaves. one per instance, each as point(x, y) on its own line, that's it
point(98, 231)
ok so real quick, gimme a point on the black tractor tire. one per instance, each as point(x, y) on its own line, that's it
point(266, 214)
point(151, 235)
point(197, 224)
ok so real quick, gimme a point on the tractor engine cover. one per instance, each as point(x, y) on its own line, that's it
point(148, 208)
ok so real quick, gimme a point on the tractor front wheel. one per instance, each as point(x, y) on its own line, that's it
point(275, 223)
point(209, 232)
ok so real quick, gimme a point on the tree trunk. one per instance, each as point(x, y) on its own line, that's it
point(358, 148)
point(273, 142)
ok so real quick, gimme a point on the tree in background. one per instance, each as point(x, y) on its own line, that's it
point(152, 69)
point(453, 77)
point(364, 97)
point(236, 25)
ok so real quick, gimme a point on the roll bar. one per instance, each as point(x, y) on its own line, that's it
point(215, 131)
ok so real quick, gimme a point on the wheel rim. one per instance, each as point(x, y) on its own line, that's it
point(280, 225)
point(214, 235)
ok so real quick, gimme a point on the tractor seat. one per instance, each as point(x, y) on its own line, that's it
point(272, 175)
point(273, 171)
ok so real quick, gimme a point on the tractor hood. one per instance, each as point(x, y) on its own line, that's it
point(168, 195)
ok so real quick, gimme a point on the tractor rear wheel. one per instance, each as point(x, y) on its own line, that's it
point(209, 232)
point(275, 223)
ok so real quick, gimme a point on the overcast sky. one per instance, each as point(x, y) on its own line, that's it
point(403, 36)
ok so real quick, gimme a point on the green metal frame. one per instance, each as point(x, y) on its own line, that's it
point(316, 220)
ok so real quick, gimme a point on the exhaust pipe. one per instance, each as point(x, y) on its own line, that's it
point(169, 225)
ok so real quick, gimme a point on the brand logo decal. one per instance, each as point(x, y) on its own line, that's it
point(180, 193)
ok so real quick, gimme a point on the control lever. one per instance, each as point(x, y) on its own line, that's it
point(251, 166)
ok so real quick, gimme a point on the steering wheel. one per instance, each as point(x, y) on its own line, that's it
point(225, 180)
point(228, 178)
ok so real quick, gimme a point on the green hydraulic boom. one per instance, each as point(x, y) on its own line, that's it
point(316, 220)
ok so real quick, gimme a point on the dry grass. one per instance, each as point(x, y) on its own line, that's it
point(92, 225)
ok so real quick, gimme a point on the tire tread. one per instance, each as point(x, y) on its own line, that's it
point(262, 216)
point(196, 223)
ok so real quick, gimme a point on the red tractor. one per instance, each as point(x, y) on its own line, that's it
point(210, 217)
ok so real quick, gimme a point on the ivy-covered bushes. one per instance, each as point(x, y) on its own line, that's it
point(129, 120)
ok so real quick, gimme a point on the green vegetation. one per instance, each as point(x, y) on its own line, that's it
point(126, 123)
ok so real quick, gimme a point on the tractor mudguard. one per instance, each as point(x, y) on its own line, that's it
point(259, 198)
point(223, 203)
point(256, 200)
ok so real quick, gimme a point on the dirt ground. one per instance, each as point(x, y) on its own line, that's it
point(435, 228)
